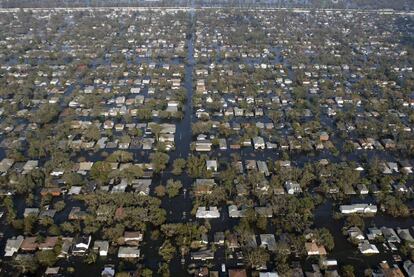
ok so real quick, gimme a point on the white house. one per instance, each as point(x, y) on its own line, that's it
point(102, 246)
point(234, 212)
point(292, 187)
point(409, 268)
point(13, 245)
point(81, 245)
point(367, 248)
point(211, 212)
point(128, 252)
point(259, 143)
point(211, 165)
point(358, 208)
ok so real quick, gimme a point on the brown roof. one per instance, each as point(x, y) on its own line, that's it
point(51, 191)
point(49, 243)
point(313, 247)
point(390, 271)
point(29, 244)
point(237, 273)
point(119, 213)
point(132, 235)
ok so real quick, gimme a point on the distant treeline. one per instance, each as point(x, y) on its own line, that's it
point(338, 4)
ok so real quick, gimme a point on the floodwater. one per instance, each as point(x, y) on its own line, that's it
point(179, 208)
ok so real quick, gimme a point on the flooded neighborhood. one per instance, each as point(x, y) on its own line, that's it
point(207, 140)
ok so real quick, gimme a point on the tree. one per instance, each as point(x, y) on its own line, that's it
point(100, 172)
point(156, 130)
point(257, 257)
point(324, 237)
point(167, 251)
point(59, 206)
point(159, 161)
point(46, 257)
point(348, 271)
point(73, 178)
point(26, 264)
point(131, 172)
point(394, 206)
point(123, 274)
point(173, 188)
point(262, 223)
point(160, 190)
point(46, 113)
point(92, 133)
point(146, 272)
point(178, 166)
point(11, 212)
point(354, 220)
point(29, 222)
point(120, 156)
point(196, 166)
point(91, 258)
point(164, 270)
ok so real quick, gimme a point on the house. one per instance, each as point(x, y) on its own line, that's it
point(234, 212)
point(330, 262)
point(358, 208)
point(29, 166)
point(268, 241)
point(203, 255)
point(74, 190)
point(264, 211)
point(405, 166)
point(29, 244)
point(366, 248)
point(388, 271)
point(51, 191)
point(81, 245)
point(292, 187)
point(108, 271)
point(76, 213)
point(374, 233)
point(133, 238)
point(400, 188)
point(142, 186)
point(211, 212)
point(259, 143)
point(102, 247)
point(356, 234)
point(222, 144)
point(409, 268)
point(390, 235)
point(128, 252)
point(404, 234)
point(262, 166)
point(393, 166)
point(268, 274)
point(203, 186)
point(31, 211)
point(47, 213)
point(48, 244)
point(237, 273)
point(232, 242)
point(67, 243)
point(314, 249)
point(52, 271)
point(13, 245)
point(323, 136)
point(211, 165)
point(5, 165)
point(362, 189)
point(203, 146)
point(219, 238)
